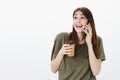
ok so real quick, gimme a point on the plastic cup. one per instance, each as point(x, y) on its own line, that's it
point(72, 44)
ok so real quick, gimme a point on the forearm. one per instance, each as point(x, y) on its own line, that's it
point(95, 63)
point(55, 63)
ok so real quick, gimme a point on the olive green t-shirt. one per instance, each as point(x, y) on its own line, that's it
point(77, 67)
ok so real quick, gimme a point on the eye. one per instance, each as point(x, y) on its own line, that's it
point(82, 17)
point(74, 17)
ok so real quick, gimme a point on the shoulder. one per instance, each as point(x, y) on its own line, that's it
point(62, 34)
point(100, 40)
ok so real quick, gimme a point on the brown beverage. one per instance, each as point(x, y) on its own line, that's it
point(72, 44)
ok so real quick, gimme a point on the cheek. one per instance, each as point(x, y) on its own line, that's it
point(84, 22)
point(74, 22)
point(84, 25)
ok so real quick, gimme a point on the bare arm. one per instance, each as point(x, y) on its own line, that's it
point(55, 63)
point(95, 63)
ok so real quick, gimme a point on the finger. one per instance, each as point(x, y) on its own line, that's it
point(85, 31)
point(68, 48)
point(66, 45)
point(90, 28)
point(68, 51)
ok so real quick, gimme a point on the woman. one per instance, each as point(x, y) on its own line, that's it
point(89, 52)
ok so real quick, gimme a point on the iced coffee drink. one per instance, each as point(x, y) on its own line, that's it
point(72, 44)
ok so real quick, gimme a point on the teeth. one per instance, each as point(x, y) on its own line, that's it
point(78, 26)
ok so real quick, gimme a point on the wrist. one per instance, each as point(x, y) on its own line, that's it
point(61, 53)
point(90, 45)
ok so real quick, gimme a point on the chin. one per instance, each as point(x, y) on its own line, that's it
point(79, 31)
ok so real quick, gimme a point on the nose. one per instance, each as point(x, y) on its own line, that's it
point(79, 20)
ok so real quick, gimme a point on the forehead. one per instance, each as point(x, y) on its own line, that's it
point(78, 13)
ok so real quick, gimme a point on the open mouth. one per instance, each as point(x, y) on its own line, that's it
point(79, 26)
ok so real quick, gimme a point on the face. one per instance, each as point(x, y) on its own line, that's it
point(79, 21)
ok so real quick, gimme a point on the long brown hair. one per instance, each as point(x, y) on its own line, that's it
point(73, 35)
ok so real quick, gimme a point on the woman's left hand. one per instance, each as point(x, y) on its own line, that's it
point(88, 32)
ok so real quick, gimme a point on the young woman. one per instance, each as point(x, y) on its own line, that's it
point(89, 52)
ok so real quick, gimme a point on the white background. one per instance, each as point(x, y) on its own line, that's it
point(28, 29)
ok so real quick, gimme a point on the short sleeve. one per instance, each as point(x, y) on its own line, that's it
point(101, 53)
point(57, 45)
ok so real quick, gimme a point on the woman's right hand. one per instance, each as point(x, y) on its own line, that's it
point(66, 49)
point(55, 63)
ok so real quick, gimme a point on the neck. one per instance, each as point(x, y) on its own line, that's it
point(80, 38)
